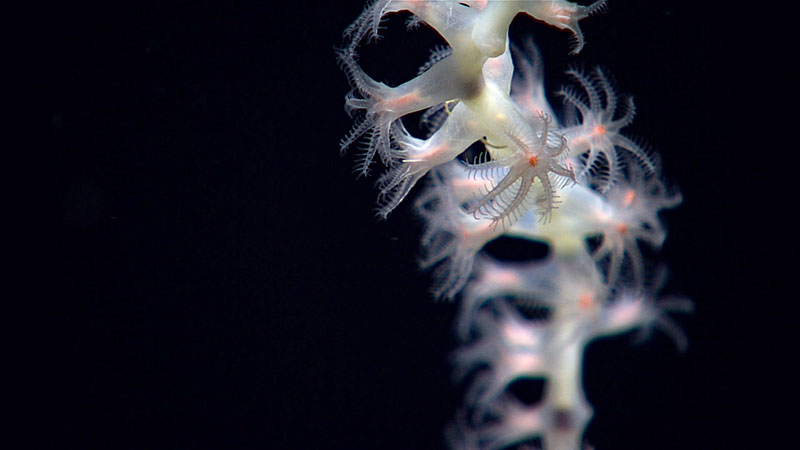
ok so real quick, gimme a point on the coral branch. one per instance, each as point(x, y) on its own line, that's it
point(590, 193)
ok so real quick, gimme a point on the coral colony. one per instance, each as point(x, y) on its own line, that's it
point(580, 185)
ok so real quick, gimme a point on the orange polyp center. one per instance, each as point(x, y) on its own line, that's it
point(622, 228)
point(561, 15)
point(431, 153)
point(599, 129)
point(533, 160)
point(585, 301)
point(401, 101)
point(505, 277)
point(629, 197)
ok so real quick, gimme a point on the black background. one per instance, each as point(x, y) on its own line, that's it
point(194, 266)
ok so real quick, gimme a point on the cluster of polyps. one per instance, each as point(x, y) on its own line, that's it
point(564, 184)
